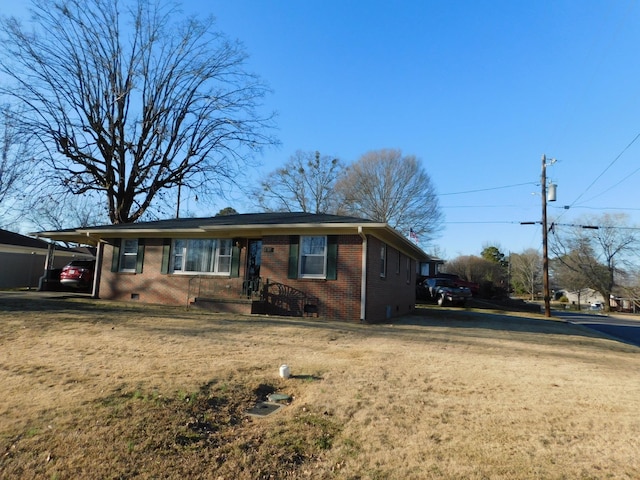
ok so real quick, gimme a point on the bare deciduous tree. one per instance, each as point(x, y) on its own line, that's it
point(567, 276)
point(60, 210)
point(468, 267)
point(597, 255)
point(386, 186)
point(526, 271)
point(129, 102)
point(486, 273)
point(305, 183)
point(15, 162)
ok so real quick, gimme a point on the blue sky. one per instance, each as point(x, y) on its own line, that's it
point(477, 89)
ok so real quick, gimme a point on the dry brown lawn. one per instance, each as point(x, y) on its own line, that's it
point(93, 389)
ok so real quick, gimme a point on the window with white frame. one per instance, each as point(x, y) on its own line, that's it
point(383, 261)
point(206, 255)
point(128, 255)
point(313, 257)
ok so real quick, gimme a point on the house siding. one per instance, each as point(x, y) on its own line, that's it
point(336, 299)
point(23, 269)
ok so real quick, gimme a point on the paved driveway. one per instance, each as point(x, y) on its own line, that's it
point(34, 294)
point(622, 327)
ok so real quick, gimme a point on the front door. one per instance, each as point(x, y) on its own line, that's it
point(254, 259)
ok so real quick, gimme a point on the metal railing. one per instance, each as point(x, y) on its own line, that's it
point(284, 299)
point(279, 298)
point(207, 286)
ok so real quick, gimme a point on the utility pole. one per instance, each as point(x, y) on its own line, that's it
point(545, 253)
point(509, 276)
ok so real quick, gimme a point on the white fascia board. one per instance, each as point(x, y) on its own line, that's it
point(379, 230)
point(394, 238)
point(8, 248)
point(75, 236)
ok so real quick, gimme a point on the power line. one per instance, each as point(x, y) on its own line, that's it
point(608, 47)
point(488, 222)
point(487, 189)
point(624, 179)
point(598, 208)
point(605, 170)
point(485, 206)
point(538, 222)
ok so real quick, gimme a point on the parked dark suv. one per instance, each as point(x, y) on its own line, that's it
point(78, 274)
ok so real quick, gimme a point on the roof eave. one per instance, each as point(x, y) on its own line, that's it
point(71, 236)
point(392, 237)
point(91, 236)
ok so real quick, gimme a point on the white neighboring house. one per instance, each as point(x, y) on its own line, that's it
point(584, 297)
point(24, 260)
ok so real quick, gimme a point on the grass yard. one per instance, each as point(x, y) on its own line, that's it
point(93, 389)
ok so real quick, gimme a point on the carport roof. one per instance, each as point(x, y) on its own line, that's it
point(11, 238)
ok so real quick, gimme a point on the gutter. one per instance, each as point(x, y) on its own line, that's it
point(363, 279)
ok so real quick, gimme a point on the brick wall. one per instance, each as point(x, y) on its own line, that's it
point(337, 299)
point(152, 286)
point(392, 295)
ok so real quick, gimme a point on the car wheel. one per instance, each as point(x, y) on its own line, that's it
point(441, 300)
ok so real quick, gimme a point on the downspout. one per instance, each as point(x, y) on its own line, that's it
point(363, 279)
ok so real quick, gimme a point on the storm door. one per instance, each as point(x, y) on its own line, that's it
point(254, 258)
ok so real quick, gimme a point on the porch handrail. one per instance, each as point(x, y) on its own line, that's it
point(209, 286)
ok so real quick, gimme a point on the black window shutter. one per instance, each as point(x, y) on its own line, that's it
point(294, 248)
point(115, 260)
point(332, 257)
point(235, 260)
point(140, 255)
point(166, 251)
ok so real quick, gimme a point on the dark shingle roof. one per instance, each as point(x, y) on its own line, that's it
point(272, 218)
point(11, 238)
point(248, 223)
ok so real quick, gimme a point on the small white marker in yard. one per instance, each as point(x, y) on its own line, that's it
point(284, 371)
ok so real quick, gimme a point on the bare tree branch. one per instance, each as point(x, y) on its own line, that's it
point(128, 102)
point(387, 187)
point(595, 258)
point(305, 183)
point(16, 161)
point(526, 271)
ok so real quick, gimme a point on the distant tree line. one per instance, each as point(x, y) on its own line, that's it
point(602, 257)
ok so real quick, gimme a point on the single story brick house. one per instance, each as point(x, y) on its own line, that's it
point(328, 266)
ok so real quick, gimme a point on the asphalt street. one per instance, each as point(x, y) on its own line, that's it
point(621, 327)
